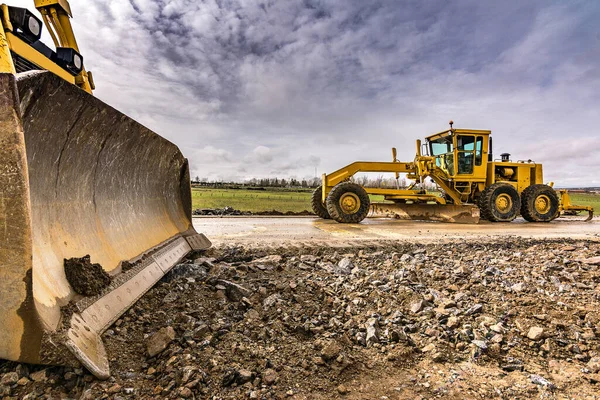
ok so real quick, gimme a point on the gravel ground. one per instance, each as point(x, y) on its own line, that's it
point(505, 318)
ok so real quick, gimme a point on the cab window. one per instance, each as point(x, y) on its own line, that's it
point(479, 151)
point(466, 153)
point(443, 151)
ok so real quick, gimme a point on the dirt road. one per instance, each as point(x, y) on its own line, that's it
point(314, 231)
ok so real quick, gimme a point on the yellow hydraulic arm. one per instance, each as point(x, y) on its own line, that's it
point(56, 16)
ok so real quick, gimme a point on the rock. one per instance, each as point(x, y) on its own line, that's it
point(372, 332)
point(417, 306)
point(268, 260)
point(9, 379)
point(114, 389)
point(538, 380)
point(474, 310)
point(229, 378)
point(170, 298)
point(341, 389)
point(361, 338)
point(512, 364)
point(23, 381)
point(69, 376)
point(271, 300)
point(269, 377)
point(188, 372)
point(197, 271)
point(430, 347)
point(480, 343)
point(186, 393)
point(535, 333)
point(308, 258)
point(22, 370)
point(591, 261)
point(233, 291)
point(252, 315)
point(331, 350)
point(159, 341)
point(594, 364)
point(452, 322)
point(39, 376)
point(244, 376)
point(344, 267)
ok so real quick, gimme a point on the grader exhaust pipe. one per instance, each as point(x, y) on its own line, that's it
point(79, 178)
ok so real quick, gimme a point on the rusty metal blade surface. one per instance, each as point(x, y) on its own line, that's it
point(78, 177)
point(464, 214)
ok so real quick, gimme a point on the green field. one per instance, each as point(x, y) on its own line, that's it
point(255, 200)
point(297, 201)
point(584, 199)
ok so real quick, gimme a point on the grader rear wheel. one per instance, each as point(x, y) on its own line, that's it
point(317, 204)
point(540, 203)
point(348, 203)
point(500, 203)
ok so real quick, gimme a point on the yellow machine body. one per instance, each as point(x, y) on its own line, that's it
point(460, 162)
point(77, 178)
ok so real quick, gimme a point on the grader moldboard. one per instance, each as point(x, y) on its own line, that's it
point(473, 186)
point(77, 178)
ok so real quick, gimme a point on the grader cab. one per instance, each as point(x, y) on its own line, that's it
point(472, 185)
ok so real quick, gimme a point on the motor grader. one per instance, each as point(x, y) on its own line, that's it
point(77, 178)
point(472, 185)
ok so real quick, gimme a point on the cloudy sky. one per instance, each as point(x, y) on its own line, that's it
point(283, 87)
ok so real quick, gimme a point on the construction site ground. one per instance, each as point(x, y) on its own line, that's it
point(301, 308)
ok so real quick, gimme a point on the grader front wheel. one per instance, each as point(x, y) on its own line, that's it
point(540, 203)
point(348, 203)
point(500, 203)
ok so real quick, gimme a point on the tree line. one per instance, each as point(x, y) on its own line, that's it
point(276, 182)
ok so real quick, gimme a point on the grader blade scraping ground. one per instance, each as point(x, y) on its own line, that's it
point(463, 214)
point(79, 178)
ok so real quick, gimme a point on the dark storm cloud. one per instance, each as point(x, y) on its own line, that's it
point(258, 87)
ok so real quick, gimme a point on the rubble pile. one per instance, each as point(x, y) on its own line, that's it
point(509, 318)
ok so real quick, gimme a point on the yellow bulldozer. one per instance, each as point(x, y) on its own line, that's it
point(77, 178)
point(472, 185)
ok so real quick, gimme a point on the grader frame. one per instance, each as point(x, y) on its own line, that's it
point(460, 162)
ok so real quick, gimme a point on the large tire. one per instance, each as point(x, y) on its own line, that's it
point(348, 203)
point(539, 203)
point(500, 203)
point(317, 204)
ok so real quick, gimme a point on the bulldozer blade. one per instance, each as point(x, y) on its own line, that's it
point(79, 178)
point(463, 214)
